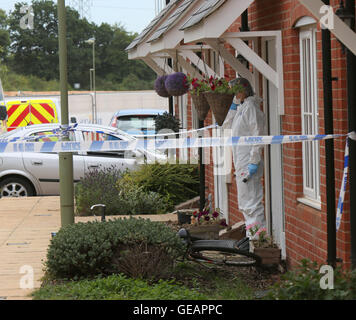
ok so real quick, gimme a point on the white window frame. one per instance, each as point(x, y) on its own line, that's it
point(309, 114)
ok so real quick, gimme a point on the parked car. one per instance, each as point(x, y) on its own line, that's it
point(136, 121)
point(33, 173)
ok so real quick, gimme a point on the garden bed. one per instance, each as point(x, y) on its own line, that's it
point(88, 254)
point(190, 281)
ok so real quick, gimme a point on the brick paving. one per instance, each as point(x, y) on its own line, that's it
point(25, 232)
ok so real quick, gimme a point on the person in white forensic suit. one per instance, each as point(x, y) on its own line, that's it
point(245, 118)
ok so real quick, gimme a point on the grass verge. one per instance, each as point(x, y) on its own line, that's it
point(189, 282)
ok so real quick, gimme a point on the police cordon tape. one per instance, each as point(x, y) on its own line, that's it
point(340, 205)
point(183, 132)
point(156, 144)
point(180, 143)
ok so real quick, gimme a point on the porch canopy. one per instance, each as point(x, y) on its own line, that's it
point(185, 27)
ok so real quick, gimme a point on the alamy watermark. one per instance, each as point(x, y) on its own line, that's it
point(327, 280)
point(327, 21)
point(27, 280)
point(28, 20)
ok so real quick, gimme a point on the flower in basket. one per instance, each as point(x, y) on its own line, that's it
point(207, 216)
point(160, 87)
point(177, 84)
point(259, 236)
point(221, 85)
point(197, 86)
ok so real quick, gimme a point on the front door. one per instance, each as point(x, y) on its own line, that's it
point(273, 156)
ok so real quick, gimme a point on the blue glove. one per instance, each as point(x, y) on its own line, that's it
point(252, 169)
point(233, 106)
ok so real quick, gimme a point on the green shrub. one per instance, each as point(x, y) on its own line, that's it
point(18, 82)
point(121, 198)
point(138, 201)
point(98, 186)
point(176, 182)
point(303, 283)
point(167, 121)
point(117, 287)
point(89, 249)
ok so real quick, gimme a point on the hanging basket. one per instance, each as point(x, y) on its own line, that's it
point(177, 84)
point(160, 87)
point(220, 104)
point(201, 105)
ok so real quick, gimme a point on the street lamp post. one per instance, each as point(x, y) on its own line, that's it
point(92, 80)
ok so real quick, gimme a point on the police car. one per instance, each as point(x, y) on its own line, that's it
point(32, 173)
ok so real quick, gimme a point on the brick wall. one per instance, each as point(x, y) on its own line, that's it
point(305, 226)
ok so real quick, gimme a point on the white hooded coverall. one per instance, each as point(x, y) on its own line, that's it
point(248, 120)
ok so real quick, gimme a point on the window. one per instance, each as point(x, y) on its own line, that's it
point(49, 136)
point(309, 113)
point(137, 123)
point(97, 136)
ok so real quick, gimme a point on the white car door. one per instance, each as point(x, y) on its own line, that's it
point(45, 167)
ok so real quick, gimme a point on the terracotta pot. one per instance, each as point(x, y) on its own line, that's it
point(268, 255)
point(208, 231)
point(201, 105)
point(220, 104)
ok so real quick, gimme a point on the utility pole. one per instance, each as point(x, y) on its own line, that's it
point(65, 158)
point(83, 7)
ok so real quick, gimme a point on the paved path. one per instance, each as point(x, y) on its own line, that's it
point(25, 232)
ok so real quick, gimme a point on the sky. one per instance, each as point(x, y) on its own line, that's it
point(133, 15)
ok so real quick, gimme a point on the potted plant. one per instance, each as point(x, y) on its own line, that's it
point(206, 224)
point(197, 87)
point(160, 86)
point(167, 121)
point(177, 84)
point(262, 245)
point(219, 96)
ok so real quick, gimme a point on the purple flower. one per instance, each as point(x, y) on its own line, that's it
point(160, 87)
point(215, 214)
point(177, 84)
point(223, 223)
point(206, 218)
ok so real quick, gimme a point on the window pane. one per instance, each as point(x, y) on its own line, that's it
point(309, 110)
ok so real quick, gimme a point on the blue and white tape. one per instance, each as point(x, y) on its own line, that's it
point(154, 144)
point(164, 144)
point(185, 132)
point(340, 206)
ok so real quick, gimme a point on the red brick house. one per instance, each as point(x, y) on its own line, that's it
point(282, 42)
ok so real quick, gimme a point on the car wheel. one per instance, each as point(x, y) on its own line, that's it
point(16, 187)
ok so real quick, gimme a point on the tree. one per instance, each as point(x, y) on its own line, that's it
point(4, 35)
point(114, 63)
point(35, 51)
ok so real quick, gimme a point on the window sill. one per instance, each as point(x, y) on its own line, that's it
point(310, 202)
